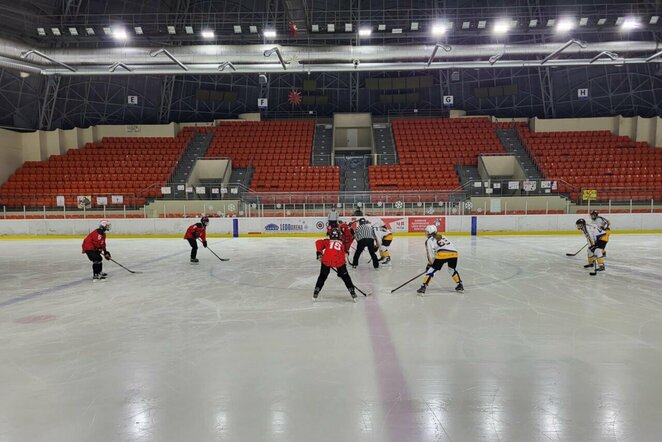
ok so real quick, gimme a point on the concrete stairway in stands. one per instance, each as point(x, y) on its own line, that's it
point(195, 149)
point(384, 144)
point(467, 174)
point(513, 145)
point(353, 174)
point(243, 177)
point(322, 145)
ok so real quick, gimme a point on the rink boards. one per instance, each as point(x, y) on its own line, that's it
point(314, 226)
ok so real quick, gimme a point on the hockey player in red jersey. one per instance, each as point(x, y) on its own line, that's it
point(195, 231)
point(94, 246)
point(331, 253)
point(347, 236)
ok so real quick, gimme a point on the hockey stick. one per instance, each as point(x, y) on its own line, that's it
point(128, 270)
point(220, 259)
point(360, 291)
point(415, 277)
point(577, 252)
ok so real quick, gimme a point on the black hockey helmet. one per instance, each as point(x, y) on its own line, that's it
point(581, 222)
point(334, 234)
point(594, 215)
point(363, 221)
point(204, 220)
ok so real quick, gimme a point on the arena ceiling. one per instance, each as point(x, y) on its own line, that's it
point(68, 63)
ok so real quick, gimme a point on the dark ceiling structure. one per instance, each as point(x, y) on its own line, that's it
point(76, 63)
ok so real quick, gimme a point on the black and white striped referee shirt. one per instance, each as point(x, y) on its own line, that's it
point(364, 231)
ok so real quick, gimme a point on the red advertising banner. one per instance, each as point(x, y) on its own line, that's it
point(419, 223)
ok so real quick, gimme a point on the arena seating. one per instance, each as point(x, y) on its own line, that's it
point(278, 151)
point(430, 148)
point(135, 168)
point(619, 168)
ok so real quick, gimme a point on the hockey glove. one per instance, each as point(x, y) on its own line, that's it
point(427, 267)
point(319, 255)
point(106, 255)
point(204, 244)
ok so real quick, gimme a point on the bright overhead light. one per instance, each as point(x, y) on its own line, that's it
point(207, 33)
point(619, 21)
point(565, 25)
point(630, 23)
point(396, 31)
point(365, 32)
point(654, 19)
point(381, 27)
point(466, 25)
point(414, 26)
point(315, 28)
point(189, 30)
point(120, 34)
point(73, 31)
point(107, 31)
point(348, 27)
point(533, 23)
point(56, 31)
point(501, 27)
point(602, 21)
point(583, 21)
point(439, 29)
point(172, 30)
point(41, 31)
point(482, 24)
point(269, 33)
point(253, 29)
point(138, 29)
point(237, 29)
point(330, 27)
point(90, 31)
point(551, 22)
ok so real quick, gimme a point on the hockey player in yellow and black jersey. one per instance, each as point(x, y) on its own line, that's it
point(384, 237)
point(603, 224)
point(440, 251)
point(596, 245)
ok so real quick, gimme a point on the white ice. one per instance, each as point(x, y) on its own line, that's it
point(534, 349)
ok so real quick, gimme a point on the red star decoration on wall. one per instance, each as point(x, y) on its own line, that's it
point(294, 97)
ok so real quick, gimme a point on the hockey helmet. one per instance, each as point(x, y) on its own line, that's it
point(431, 230)
point(594, 215)
point(363, 221)
point(335, 234)
point(104, 224)
point(204, 220)
point(581, 223)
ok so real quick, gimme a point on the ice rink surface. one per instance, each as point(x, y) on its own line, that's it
point(535, 349)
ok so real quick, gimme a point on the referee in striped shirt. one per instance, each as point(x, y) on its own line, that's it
point(365, 238)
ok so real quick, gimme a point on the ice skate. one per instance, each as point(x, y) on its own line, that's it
point(99, 277)
point(194, 260)
point(588, 266)
point(316, 293)
point(387, 260)
point(353, 293)
point(421, 291)
point(459, 287)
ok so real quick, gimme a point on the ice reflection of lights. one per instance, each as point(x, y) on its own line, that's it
point(141, 419)
point(221, 422)
point(278, 421)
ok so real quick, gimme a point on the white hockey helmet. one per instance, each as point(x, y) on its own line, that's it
point(431, 230)
point(378, 224)
point(104, 224)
